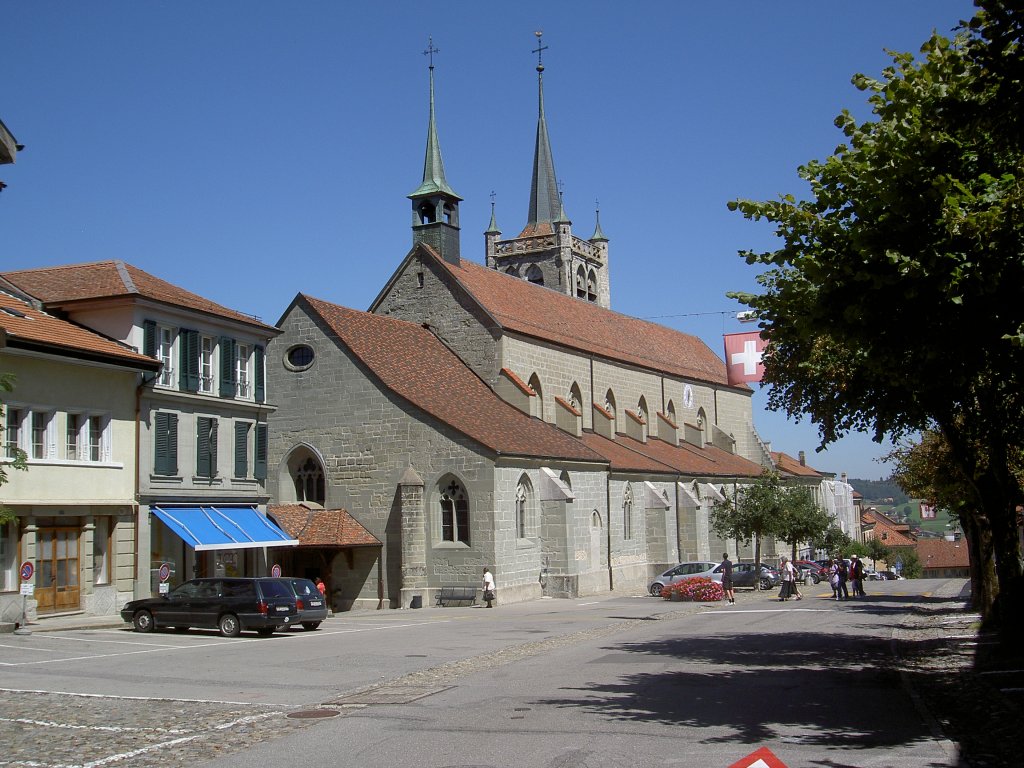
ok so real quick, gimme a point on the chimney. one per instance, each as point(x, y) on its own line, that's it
point(803, 459)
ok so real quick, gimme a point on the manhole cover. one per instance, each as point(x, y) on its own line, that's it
point(391, 694)
point(309, 714)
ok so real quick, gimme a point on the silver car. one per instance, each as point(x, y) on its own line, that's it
point(684, 571)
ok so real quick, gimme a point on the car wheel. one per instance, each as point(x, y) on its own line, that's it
point(229, 626)
point(656, 589)
point(310, 625)
point(815, 578)
point(265, 631)
point(143, 621)
point(766, 583)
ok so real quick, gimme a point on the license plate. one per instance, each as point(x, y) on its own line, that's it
point(315, 603)
point(282, 609)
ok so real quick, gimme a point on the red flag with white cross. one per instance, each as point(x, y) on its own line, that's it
point(743, 356)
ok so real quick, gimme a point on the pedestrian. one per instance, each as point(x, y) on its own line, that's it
point(833, 577)
point(844, 575)
point(726, 567)
point(857, 576)
point(488, 588)
point(788, 589)
point(321, 586)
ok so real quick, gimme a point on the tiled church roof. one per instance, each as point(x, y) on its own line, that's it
point(64, 285)
point(321, 527)
point(521, 307)
point(28, 327)
point(414, 364)
point(790, 466)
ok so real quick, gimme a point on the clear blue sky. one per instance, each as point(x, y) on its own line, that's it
point(248, 151)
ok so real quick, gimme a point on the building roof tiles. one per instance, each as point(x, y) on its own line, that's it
point(321, 527)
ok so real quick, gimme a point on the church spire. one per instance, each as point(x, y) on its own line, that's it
point(545, 202)
point(435, 206)
point(433, 165)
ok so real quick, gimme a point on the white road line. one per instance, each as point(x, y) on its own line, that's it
point(75, 727)
point(151, 698)
point(595, 602)
point(763, 610)
point(56, 636)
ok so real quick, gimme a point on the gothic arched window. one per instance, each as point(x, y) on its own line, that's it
point(592, 286)
point(524, 496)
point(513, 270)
point(576, 397)
point(670, 411)
point(309, 481)
point(454, 511)
point(641, 410)
point(534, 275)
point(627, 512)
point(581, 283)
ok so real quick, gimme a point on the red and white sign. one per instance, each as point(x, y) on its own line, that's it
point(275, 571)
point(743, 356)
point(763, 758)
point(927, 511)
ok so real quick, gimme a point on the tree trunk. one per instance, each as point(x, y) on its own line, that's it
point(984, 585)
point(757, 563)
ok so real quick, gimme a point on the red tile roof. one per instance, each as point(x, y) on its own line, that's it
point(29, 328)
point(414, 364)
point(790, 466)
point(321, 527)
point(522, 307)
point(66, 285)
point(626, 454)
point(939, 553)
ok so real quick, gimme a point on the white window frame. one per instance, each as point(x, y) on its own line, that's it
point(47, 449)
point(73, 453)
point(102, 540)
point(9, 576)
point(14, 419)
point(243, 381)
point(103, 444)
point(165, 338)
point(207, 364)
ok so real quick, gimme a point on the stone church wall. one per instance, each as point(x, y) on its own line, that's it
point(556, 368)
point(434, 303)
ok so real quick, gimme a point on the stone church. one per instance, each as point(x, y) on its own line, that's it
point(497, 414)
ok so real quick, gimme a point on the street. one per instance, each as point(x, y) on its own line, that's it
point(608, 681)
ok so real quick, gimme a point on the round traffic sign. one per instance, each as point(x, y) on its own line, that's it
point(165, 572)
point(275, 571)
point(27, 569)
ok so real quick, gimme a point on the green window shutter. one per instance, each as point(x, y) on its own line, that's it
point(241, 449)
point(206, 447)
point(149, 338)
point(188, 360)
point(259, 468)
point(227, 367)
point(259, 375)
point(165, 428)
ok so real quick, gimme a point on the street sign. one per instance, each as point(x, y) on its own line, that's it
point(275, 571)
point(164, 573)
point(27, 569)
point(762, 758)
point(28, 589)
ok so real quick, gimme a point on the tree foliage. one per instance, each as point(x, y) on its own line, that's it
point(755, 511)
point(896, 300)
point(801, 519)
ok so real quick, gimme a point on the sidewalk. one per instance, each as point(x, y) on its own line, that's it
point(68, 622)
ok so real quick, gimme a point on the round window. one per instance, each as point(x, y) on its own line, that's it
point(299, 357)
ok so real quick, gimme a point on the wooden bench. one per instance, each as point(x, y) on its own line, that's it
point(456, 595)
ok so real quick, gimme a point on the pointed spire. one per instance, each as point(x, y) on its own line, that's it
point(598, 236)
point(492, 228)
point(433, 166)
point(545, 202)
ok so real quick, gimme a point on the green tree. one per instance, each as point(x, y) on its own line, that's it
point(754, 511)
point(876, 550)
point(17, 455)
point(833, 541)
point(801, 520)
point(894, 303)
point(909, 561)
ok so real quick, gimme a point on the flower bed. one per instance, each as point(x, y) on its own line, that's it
point(699, 589)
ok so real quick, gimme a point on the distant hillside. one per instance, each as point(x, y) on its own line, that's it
point(884, 491)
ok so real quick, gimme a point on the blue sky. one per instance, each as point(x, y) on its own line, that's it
point(249, 151)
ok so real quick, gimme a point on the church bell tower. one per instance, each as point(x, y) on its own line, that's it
point(435, 206)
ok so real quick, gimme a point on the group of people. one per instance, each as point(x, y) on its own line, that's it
point(840, 572)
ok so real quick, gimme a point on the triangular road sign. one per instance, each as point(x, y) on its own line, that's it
point(762, 758)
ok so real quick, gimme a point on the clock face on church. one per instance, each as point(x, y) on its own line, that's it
point(688, 396)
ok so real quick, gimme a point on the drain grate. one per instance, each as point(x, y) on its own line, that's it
point(309, 714)
point(391, 694)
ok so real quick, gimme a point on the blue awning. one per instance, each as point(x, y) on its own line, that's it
point(204, 528)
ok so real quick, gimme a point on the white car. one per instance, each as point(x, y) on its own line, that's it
point(684, 571)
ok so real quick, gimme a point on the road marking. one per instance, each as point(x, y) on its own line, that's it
point(151, 698)
point(595, 602)
point(70, 726)
point(764, 610)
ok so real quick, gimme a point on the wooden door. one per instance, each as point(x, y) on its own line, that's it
point(57, 586)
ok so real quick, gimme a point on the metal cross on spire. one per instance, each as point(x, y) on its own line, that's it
point(431, 50)
point(540, 50)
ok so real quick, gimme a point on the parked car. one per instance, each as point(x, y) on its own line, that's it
point(809, 570)
point(684, 571)
point(310, 604)
point(743, 575)
point(227, 604)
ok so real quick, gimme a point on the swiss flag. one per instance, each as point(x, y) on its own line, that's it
point(743, 353)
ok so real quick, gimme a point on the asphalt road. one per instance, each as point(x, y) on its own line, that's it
point(555, 683)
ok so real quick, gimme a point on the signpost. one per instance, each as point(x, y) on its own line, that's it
point(27, 589)
point(164, 574)
point(275, 571)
